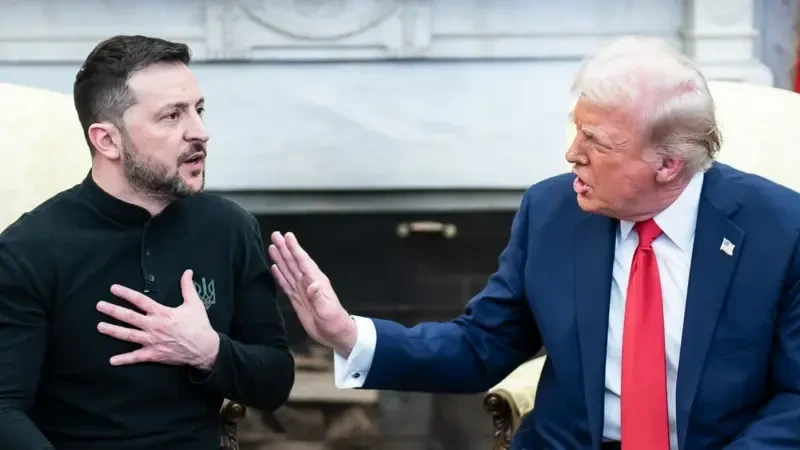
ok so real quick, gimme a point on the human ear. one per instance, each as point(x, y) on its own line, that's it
point(106, 139)
point(668, 169)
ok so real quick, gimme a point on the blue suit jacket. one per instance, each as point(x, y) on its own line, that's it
point(738, 383)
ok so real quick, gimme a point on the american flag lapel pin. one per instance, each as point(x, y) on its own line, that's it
point(727, 247)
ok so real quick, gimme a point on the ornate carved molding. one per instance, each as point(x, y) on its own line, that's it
point(468, 29)
point(312, 29)
point(319, 19)
point(66, 31)
point(268, 30)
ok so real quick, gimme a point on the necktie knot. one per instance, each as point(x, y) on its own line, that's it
point(648, 231)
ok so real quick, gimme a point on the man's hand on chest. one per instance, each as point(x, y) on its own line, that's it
point(176, 336)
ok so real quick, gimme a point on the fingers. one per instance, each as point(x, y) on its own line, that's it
point(141, 301)
point(284, 285)
point(295, 266)
point(188, 291)
point(138, 356)
point(124, 334)
point(282, 268)
point(298, 301)
point(126, 315)
point(289, 267)
point(304, 262)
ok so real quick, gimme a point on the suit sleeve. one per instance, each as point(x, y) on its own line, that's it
point(254, 366)
point(23, 326)
point(777, 426)
point(494, 335)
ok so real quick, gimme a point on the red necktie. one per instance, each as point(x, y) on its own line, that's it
point(643, 396)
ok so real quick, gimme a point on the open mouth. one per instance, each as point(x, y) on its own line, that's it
point(579, 185)
point(196, 158)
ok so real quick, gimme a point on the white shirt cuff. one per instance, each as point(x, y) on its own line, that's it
point(351, 373)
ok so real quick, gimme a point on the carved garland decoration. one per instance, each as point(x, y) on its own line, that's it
point(319, 19)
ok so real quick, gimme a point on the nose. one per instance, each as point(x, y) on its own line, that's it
point(196, 130)
point(574, 154)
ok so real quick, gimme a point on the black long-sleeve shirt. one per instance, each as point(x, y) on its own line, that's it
point(57, 387)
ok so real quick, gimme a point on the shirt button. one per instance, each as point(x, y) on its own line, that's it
point(151, 278)
point(147, 252)
point(356, 375)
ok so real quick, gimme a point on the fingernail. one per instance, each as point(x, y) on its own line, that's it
point(103, 306)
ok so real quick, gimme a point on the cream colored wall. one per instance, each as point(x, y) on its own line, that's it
point(42, 150)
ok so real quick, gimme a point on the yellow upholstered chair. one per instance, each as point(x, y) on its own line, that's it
point(41, 148)
point(758, 130)
point(757, 124)
point(42, 152)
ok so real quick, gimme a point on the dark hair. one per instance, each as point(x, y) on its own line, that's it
point(101, 91)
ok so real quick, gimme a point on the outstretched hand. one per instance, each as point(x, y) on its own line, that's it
point(174, 336)
point(311, 295)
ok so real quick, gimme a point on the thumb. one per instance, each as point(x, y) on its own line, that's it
point(314, 291)
point(321, 296)
point(188, 292)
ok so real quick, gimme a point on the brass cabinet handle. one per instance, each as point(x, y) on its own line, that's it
point(448, 230)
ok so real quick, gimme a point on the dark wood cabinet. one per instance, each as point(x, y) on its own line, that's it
point(403, 266)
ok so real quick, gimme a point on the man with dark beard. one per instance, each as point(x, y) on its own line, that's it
point(133, 303)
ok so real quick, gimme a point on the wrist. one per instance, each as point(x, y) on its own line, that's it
point(208, 351)
point(348, 339)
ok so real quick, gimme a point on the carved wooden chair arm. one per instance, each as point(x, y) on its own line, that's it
point(499, 408)
point(511, 399)
point(231, 414)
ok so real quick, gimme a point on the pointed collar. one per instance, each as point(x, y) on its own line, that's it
point(679, 219)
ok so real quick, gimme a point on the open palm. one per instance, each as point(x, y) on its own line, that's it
point(310, 292)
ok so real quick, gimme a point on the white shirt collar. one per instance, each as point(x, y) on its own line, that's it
point(679, 219)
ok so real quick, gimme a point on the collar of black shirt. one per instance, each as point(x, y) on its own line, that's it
point(112, 207)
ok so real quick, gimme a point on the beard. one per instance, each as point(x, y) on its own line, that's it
point(155, 179)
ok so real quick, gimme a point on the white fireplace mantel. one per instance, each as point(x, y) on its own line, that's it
point(379, 94)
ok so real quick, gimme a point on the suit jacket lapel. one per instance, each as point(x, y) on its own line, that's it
point(594, 260)
point(710, 274)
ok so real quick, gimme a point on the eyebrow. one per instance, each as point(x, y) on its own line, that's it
point(597, 134)
point(183, 105)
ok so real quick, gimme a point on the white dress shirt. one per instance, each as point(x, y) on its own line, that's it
point(673, 251)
